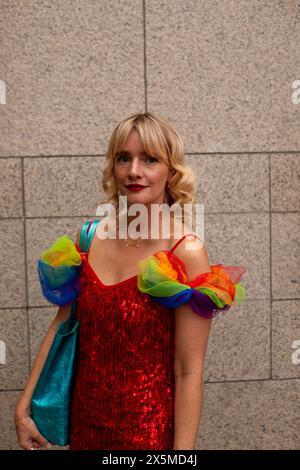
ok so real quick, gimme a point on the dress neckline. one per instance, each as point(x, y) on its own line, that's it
point(97, 278)
point(124, 281)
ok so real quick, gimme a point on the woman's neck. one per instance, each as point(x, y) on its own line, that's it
point(159, 228)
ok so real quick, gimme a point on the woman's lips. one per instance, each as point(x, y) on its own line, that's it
point(136, 188)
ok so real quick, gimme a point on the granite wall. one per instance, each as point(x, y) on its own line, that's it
point(223, 73)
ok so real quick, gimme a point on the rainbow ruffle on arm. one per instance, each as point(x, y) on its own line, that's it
point(58, 269)
point(164, 277)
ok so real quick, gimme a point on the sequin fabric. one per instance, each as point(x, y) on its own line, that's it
point(124, 391)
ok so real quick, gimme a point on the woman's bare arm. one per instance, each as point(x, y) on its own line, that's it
point(191, 338)
point(29, 436)
point(23, 406)
point(192, 333)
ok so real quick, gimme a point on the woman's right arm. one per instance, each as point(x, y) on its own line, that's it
point(27, 432)
point(23, 406)
point(28, 435)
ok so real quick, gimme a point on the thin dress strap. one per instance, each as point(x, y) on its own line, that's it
point(182, 238)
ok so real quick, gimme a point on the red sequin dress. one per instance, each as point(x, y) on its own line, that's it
point(124, 391)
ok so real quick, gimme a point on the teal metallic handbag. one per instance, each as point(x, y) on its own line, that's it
point(51, 399)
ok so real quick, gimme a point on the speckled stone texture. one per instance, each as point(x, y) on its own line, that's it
point(71, 69)
point(222, 73)
point(251, 416)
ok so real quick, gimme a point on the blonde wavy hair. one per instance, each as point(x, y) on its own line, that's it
point(158, 138)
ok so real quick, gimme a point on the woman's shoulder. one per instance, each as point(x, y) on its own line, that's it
point(59, 266)
point(186, 258)
point(184, 274)
point(58, 269)
point(189, 246)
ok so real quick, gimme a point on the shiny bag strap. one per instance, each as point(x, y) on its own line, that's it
point(87, 233)
point(84, 231)
point(86, 236)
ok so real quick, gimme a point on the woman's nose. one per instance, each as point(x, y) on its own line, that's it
point(135, 168)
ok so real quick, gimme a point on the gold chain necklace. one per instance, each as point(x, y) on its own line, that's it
point(138, 244)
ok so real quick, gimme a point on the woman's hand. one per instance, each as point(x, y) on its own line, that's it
point(28, 434)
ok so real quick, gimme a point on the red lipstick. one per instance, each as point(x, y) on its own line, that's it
point(135, 187)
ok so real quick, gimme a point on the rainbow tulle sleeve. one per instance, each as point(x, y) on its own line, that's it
point(58, 269)
point(164, 277)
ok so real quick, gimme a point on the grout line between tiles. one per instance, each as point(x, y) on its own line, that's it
point(145, 56)
point(25, 265)
point(208, 382)
point(270, 255)
point(36, 217)
point(245, 153)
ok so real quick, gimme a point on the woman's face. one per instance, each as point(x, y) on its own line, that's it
point(133, 167)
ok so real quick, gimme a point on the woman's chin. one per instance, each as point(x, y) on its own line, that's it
point(142, 199)
point(139, 198)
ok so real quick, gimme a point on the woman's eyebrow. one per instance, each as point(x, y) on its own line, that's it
point(128, 153)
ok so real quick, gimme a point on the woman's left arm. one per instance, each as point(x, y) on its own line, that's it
point(191, 338)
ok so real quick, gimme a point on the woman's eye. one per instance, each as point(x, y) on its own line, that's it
point(121, 156)
point(124, 158)
point(153, 159)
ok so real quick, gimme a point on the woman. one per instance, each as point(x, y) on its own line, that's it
point(139, 382)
